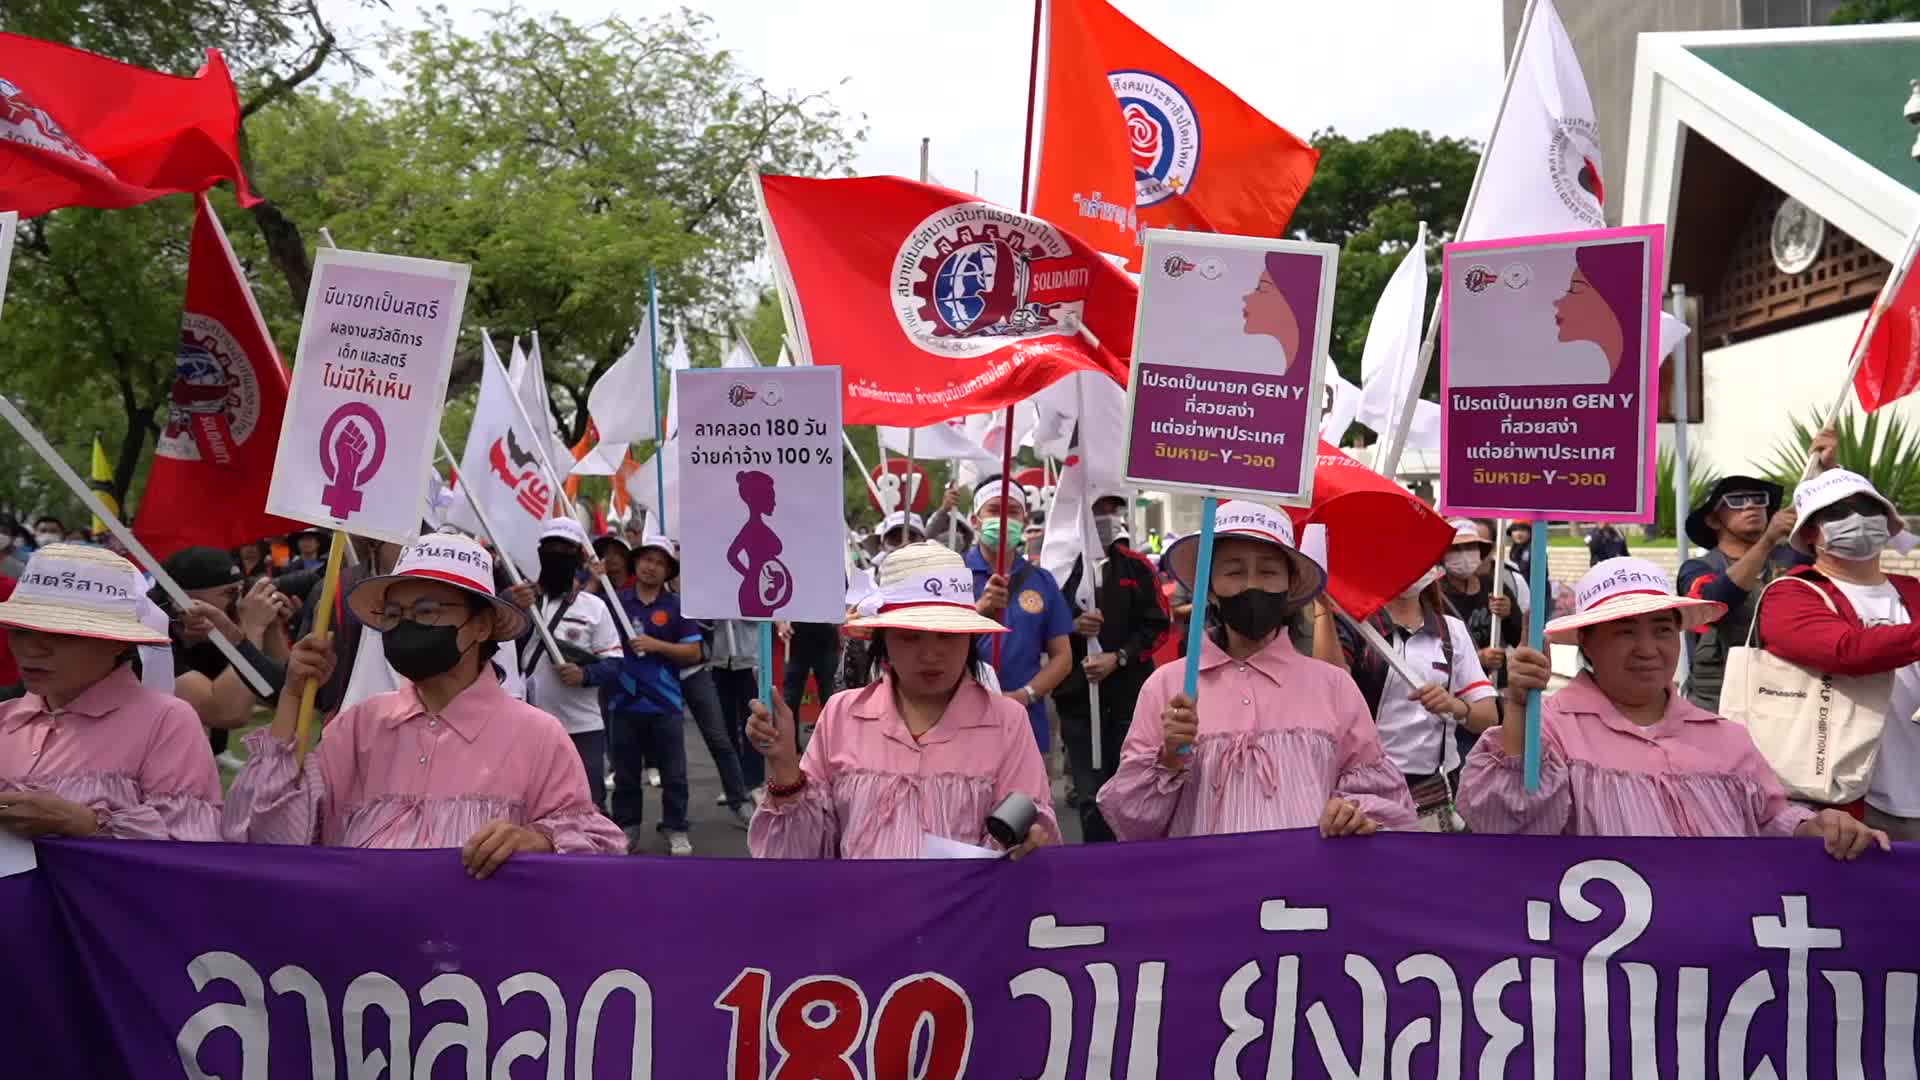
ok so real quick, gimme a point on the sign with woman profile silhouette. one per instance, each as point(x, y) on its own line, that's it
point(764, 538)
point(1548, 379)
point(1229, 359)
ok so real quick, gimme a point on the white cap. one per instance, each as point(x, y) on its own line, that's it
point(1832, 486)
point(565, 528)
point(901, 517)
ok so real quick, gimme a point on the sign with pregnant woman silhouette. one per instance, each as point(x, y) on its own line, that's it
point(1229, 355)
point(1548, 375)
point(764, 537)
point(363, 404)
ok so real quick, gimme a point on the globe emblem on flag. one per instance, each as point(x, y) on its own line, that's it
point(964, 282)
point(1163, 134)
point(214, 405)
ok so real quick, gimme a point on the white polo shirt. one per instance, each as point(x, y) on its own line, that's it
point(588, 623)
point(1416, 741)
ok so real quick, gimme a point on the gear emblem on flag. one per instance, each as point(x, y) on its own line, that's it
point(973, 275)
point(214, 406)
point(1163, 131)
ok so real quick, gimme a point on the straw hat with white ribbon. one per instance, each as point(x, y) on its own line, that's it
point(80, 590)
point(1621, 589)
point(924, 586)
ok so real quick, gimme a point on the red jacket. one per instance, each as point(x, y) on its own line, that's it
point(1796, 626)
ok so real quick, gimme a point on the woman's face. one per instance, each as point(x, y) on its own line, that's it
point(927, 664)
point(1582, 315)
point(59, 667)
point(1267, 312)
point(1239, 565)
point(1633, 660)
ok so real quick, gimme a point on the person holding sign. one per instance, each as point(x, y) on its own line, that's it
point(88, 751)
point(1622, 754)
point(448, 761)
point(922, 749)
point(1275, 740)
point(1036, 655)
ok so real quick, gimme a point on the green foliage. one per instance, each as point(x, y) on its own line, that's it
point(1884, 448)
point(1700, 480)
point(1369, 196)
point(1877, 11)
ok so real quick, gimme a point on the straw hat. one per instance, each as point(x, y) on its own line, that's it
point(1832, 486)
point(1238, 519)
point(80, 590)
point(1622, 588)
point(449, 559)
point(924, 586)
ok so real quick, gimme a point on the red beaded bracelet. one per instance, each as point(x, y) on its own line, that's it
point(781, 791)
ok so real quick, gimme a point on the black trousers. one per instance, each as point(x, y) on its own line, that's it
point(1118, 694)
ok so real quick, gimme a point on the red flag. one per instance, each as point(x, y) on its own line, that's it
point(77, 129)
point(936, 304)
point(1891, 367)
point(1133, 136)
point(214, 460)
point(1380, 539)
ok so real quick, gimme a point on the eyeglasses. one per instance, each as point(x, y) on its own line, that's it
point(1744, 500)
point(424, 612)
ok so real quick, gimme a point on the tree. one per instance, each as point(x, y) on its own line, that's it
point(564, 162)
point(1877, 11)
point(1369, 196)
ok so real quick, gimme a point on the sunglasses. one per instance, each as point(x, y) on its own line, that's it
point(1744, 500)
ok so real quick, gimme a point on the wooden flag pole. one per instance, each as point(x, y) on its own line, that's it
point(322, 627)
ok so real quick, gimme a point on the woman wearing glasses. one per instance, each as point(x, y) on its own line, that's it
point(449, 760)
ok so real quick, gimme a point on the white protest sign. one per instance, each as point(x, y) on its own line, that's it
point(762, 448)
point(363, 410)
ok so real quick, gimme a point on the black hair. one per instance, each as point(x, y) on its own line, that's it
point(475, 605)
point(44, 518)
point(877, 656)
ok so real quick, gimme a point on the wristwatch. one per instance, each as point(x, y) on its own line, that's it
point(1120, 656)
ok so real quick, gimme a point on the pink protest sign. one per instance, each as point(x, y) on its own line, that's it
point(1229, 358)
point(1548, 375)
point(363, 406)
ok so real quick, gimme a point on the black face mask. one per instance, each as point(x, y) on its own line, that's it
point(557, 572)
point(420, 652)
point(1254, 613)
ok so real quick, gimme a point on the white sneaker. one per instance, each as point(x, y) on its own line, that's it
point(720, 800)
point(653, 777)
point(743, 815)
point(228, 761)
point(679, 844)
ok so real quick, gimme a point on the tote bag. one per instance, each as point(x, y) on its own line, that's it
point(1819, 731)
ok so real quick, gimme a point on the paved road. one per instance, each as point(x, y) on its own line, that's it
point(714, 832)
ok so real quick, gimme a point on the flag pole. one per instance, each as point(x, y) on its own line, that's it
point(1537, 639)
point(1389, 461)
point(653, 371)
point(322, 625)
point(1862, 345)
point(853, 452)
point(480, 515)
point(25, 429)
point(1197, 622)
point(908, 481)
point(1499, 582)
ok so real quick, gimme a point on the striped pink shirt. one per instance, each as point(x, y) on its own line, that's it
point(873, 792)
point(390, 774)
point(138, 755)
point(1280, 735)
point(1691, 774)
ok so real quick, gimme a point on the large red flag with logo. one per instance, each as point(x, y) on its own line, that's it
point(1380, 539)
point(1891, 368)
point(1133, 136)
point(936, 304)
point(214, 461)
point(78, 129)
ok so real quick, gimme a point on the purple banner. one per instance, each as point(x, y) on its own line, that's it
point(1265, 955)
point(1548, 378)
point(1228, 364)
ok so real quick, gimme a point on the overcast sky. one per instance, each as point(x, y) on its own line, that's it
point(957, 72)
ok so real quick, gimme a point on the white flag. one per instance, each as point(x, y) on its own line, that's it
point(1542, 172)
point(739, 356)
point(944, 441)
point(786, 359)
point(622, 403)
point(501, 470)
point(643, 487)
point(676, 360)
point(1343, 401)
point(1392, 352)
point(1424, 432)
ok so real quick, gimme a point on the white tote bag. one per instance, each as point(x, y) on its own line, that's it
point(1819, 731)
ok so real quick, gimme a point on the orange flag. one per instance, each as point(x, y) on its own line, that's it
point(1133, 136)
point(579, 451)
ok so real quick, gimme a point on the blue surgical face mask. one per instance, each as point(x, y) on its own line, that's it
point(1856, 537)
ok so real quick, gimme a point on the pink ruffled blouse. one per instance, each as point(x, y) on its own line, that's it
point(1691, 774)
point(138, 757)
point(390, 774)
point(1280, 735)
point(873, 792)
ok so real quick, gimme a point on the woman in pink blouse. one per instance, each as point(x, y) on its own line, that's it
point(1622, 754)
point(89, 751)
point(922, 749)
point(449, 760)
point(1276, 740)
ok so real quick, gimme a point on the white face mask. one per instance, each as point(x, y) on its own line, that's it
point(42, 539)
point(1856, 537)
point(1426, 579)
point(1462, 563)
